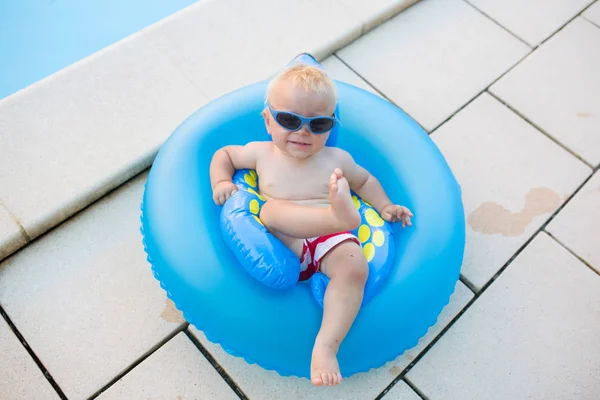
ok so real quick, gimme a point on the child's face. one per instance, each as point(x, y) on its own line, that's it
point(301, 143)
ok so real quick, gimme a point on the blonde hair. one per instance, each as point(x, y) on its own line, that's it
point(307, 77)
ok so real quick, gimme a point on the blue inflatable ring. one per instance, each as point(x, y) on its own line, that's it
point(276, 328)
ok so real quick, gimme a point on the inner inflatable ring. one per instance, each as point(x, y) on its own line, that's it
point(271, 263)
point(276, 328)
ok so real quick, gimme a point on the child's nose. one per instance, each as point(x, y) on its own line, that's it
point(304, 130)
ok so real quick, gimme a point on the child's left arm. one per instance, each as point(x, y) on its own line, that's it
point(364, 184)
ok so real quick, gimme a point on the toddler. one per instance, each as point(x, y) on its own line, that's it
point(309, 207)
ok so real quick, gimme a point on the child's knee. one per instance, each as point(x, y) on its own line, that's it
point(347, 262)
point(357, 272)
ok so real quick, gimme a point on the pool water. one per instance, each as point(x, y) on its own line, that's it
point(40, 37)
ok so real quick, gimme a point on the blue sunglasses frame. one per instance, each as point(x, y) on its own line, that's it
point(303, 120)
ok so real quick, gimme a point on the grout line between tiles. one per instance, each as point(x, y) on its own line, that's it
point(534, 47)
point(579, 14)
point(564, 147)
point(415, 388)
point(481, 92)
point(137, 362)
point(32, 354)
point(402, 375)
point(572, 252)
point(590, 21)
point(499, 24)
point(471, 286)
point(220, 370)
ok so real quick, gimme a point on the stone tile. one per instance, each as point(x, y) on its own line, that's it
point(11, 237)
point(20, 377)
point(374, 12)
point(84, 297)
point(593, 13)
point(339, 71)
point(258, 383)
point(184, 374)
point(512, 176)
point(531, 20)
point(71, 138)
point(253, 42)
point(577, 226)
point(434, 57)
point(558, 88)
point(533, 334)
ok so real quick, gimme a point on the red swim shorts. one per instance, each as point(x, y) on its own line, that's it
point(316, 248)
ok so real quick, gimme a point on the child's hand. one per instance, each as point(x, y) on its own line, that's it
point(222, 191)
point(396, 213)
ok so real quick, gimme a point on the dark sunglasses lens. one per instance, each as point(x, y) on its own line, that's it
point(321, 125)
point(288, 121)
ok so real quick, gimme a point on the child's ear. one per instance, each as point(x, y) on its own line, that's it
point(267, 117)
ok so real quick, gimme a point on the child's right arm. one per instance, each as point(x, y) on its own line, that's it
point(224, 163)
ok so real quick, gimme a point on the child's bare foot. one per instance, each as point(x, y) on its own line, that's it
point(324, 368)
point(341, 201)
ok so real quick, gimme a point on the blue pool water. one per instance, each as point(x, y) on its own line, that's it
point(40, 37)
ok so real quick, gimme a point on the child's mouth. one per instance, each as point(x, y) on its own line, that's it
point(299, 143)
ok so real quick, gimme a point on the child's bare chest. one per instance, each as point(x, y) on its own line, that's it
point(309, 182)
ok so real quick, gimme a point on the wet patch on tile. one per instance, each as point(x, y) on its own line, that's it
point(492, 218)
point(171, 313)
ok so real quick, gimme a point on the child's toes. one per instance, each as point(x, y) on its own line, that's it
point(317, 381)
point(333, 179)
point(333, 379)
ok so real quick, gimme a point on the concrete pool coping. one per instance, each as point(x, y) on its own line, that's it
point(72, 137)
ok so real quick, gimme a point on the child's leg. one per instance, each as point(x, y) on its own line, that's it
point(347, 270)
point(301, 221)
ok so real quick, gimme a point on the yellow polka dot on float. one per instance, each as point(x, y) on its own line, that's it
point(254, 192)
point(373, 218)
point(369, 251)
point(356, 201)
point(254, 207)
point(364, 233)
point(378, 238)
point(250, 180)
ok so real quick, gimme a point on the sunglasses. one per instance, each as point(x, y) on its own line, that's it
point(294, 122)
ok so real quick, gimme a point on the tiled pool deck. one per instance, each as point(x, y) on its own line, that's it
point(508, 89)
